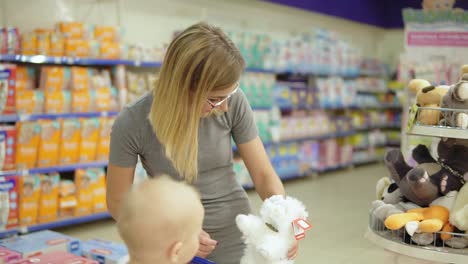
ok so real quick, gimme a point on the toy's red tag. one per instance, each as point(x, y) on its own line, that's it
point(300, 226)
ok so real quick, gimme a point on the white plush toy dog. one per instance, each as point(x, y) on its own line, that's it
point(269, 237)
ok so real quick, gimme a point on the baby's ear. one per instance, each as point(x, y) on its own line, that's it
point(174, 252)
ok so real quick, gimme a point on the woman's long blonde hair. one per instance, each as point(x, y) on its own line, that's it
point(201, 59)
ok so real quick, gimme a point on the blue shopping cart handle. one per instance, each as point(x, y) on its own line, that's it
point(197, 260)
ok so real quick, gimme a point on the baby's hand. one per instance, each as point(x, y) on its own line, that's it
point(206, 244)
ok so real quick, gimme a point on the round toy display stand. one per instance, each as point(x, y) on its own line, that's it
point(394, 241)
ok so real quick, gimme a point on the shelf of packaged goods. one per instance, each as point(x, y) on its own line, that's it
point(426, 253)
point(34, 117)
point(41, 59)
point(98, 164)
point(65, 222)
point(332, 168)
point(386, 126)
point(438, 131)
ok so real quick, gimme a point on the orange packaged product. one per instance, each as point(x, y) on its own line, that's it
point(57, 45)
point(29, 44)
point(77, 48)
point(67, 198)
point(57, 102)
point(72, 29)
point(102, 99)
point(49, 143)
point(30, 102)
point(106, 33)
point(81, 101)
point(89, 139)
point(110, 50)
point(27, 144)
point(98, 185)
point(48, 200)
point(54, 78)
point(80, 78)
point(43, 41)
point(70, 141)
point(25, 77)
point(29, 193)
point(102, 153)
point(84, 193)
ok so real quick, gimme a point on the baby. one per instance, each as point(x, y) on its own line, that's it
point(160, 221)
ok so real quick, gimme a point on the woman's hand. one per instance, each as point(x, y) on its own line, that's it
point(206, 244)
point(292, 254)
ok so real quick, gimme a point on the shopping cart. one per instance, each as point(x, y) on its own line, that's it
point(198, 260)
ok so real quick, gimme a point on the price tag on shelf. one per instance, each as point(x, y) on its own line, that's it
point(57, 60)
point(24, 117)
point(412, 117)
point(104, 114)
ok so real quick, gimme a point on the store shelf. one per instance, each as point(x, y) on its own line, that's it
point(54, 169)
point(425, 253)
point(40, 59)
point(317, 138)
point(387, 126)
point(66, 222)
point(358, 148)
point(34, 117)
point(332, 168)
point(366, 161)
point(436, 131)
point(8, 233)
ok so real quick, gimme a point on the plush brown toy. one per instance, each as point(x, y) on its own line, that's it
point(428, 95)
point(457, 98)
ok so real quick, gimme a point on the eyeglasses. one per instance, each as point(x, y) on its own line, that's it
point(214, 105)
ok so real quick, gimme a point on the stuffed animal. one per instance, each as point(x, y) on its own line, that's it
point(440, 5)
point(429, 179)
point(269, 237)
point(456, 98)
point(428, 95)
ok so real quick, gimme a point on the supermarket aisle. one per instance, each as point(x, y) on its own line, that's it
point(337, 204)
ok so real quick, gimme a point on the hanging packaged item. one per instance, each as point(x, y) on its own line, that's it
point(7, 148)
point(49, 143)
point(48, 200)
point(89, 139)
point(29, 193)
point(8, 202)
point(7, 88)
point(27, 144)
point(70, 141)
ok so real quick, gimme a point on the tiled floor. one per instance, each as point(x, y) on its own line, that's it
point(338, 206)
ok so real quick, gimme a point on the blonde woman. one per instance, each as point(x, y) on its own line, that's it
point(184, 129)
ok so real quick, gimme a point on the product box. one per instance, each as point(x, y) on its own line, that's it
point(7, 148)
point(48, 200)
point(102, 153)
point(49, 143)
point(8, 202)
point(89, 139)
point(57, 45)
point(70, 141)
point(110, 50)
point(43, 41)
point(107, 33)
point(25, 77)
point(80, 48)
point(67, 198)
point(98, 185)
point(42, 242)
point(7, 88)
point(27, 144)
point(57, 258)
point(57, 102)
point(8, 256)
point(102, 98)
point(81, 101)
point(105, 252)
point(84, 193)
point(9, 40)
point(80, 78)
point(29, 193)
point(54, 78)
point(30, 102)
point(29, 43)
point(75, 30)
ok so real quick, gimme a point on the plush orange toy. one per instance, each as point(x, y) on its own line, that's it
point(428, 219)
